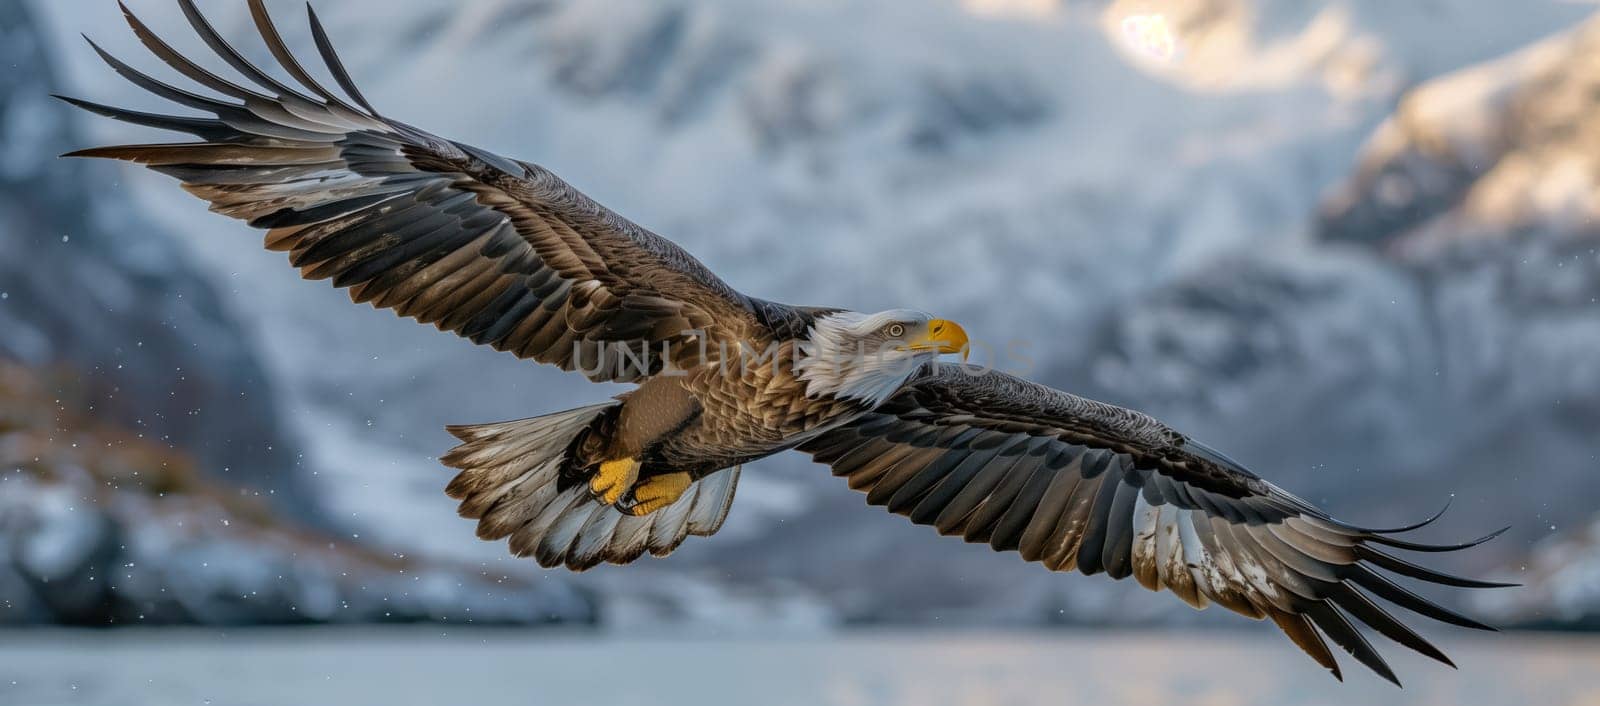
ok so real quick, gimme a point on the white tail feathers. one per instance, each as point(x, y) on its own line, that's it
point(510, 483)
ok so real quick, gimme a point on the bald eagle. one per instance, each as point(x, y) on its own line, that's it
point(507, 255)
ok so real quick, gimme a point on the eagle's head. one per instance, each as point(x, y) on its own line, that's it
point(867, 357)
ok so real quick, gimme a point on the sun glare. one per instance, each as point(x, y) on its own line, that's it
point(1150, 36)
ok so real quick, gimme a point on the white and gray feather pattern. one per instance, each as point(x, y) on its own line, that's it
point(510, 482)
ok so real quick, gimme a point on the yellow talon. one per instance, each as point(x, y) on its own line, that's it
point(658, 492)
point(614, 479)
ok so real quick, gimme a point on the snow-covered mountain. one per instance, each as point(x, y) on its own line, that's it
point(1148, 225)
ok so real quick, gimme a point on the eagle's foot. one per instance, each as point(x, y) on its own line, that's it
point(614, 479)
point(656, 493)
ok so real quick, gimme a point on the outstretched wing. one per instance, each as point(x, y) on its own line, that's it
point(1076, 484)
point(503, 253)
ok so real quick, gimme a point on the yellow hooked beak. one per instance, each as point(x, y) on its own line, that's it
point(942, 336)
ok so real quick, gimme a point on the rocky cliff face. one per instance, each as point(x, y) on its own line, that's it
point(87, 282)
point(1498, 152)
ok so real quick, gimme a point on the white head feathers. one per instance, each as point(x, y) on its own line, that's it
point(859, 356)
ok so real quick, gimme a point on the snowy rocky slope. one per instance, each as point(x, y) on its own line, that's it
point(1145, 225)
point(100, 527)
point(1561, 584)
point(88, 281)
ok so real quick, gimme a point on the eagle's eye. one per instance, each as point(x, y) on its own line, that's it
point(895, 330)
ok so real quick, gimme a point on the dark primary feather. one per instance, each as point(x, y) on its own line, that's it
point(501, 252)
point(1078, 484)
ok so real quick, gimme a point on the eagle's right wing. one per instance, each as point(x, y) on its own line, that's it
point(1077, 484)
point(500, 252)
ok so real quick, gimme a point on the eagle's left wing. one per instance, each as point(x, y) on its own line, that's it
point(1077, 484)
point(500, 252)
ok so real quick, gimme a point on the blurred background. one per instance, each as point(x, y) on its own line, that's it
point(1352, 243)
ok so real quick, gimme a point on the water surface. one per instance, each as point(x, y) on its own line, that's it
point(432, 666)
